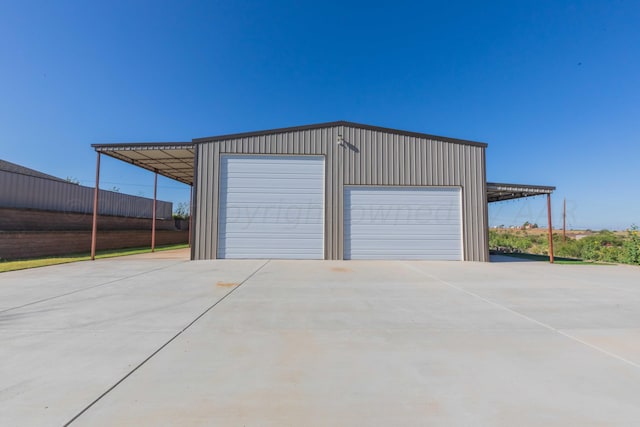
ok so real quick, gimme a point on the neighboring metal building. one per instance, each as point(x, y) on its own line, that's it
point(336, 190)
point(25, 188)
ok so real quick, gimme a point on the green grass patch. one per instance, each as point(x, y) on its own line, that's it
point(45, 261)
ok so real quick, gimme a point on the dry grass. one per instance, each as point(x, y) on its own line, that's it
point(43, 262)
point(543, 230)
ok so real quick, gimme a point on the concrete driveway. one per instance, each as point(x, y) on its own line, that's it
point(145, 341)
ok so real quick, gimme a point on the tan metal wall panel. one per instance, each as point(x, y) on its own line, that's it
point(200, 165)
point(368, 157)
point(484, 244)
point(206, 194)
point(409, 160)
point(215, 199)
point(308, 142)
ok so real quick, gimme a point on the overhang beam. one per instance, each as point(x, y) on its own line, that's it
point(498, 192)
point(173, 160)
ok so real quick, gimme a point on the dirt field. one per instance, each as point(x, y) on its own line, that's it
point(543, 230)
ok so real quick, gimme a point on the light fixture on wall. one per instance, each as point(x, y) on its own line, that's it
point(340, 140)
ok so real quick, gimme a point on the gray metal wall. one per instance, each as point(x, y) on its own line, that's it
point(28, 192)
point(368, 157)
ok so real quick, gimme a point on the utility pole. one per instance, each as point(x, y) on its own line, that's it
point(564, 220)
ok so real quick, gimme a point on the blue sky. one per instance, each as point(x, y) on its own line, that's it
point(552, 86)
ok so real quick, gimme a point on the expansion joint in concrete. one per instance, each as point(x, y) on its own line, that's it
point(207, 310)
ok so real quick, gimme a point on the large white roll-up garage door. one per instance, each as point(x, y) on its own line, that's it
point(271, 207)
point(402, 223)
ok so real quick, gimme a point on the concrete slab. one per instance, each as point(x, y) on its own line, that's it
point(324, 343)
point(61, 352)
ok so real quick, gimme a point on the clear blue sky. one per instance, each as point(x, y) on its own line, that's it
point(552, 86)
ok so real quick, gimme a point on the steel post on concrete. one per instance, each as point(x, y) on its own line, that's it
point(190, 207)
point(94, 227)
point(550, 228)
point(153, 216)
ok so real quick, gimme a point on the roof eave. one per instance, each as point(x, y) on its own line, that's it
point(535, 187)
point(333, 124)
point(141, 145)
point(499, 192)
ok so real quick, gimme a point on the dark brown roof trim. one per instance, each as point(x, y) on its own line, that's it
point(498, 192)
point(136, 145)
point(338, 123)
point(532, 187)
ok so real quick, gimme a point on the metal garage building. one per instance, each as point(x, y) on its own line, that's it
point(336, 190)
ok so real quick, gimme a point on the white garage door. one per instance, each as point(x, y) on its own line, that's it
point(402, 223)
point(271, 207)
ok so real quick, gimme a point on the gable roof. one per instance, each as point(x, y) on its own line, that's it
point(175, 159)
point(339, 123)
point(14, 168)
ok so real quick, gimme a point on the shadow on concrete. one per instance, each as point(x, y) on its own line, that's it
point(506, 258)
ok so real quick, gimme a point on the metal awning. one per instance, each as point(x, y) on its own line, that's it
point(175, 160)
point(497, 192)
point(171, 159)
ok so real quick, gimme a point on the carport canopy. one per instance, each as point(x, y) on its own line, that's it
point(497, 192)
point(170, 159)
point(174, 160)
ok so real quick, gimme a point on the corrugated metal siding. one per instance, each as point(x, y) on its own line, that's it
point(368, 157)
point(28, 192)
point(407, 160)
point(205, 202)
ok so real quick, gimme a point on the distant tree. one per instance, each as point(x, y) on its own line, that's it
point(181, 211)
point(72, 180)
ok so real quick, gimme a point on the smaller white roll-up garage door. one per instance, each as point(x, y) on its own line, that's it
point(402, 223)
point(271, 207)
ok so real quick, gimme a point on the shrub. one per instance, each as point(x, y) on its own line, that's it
point(604, 246)
point(571, 248)
point(509, 242)
point(631, 247)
